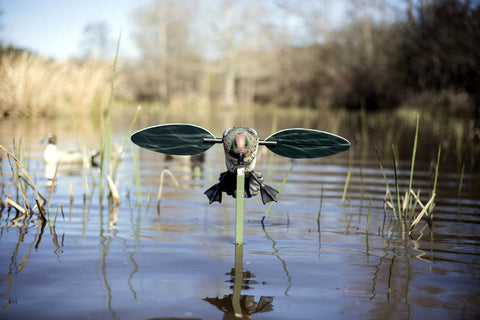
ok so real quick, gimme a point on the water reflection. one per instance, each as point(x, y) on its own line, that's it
point(136, 264)
point(284, 264)
point(236, 305)
point(105, 245)
point(17, 264)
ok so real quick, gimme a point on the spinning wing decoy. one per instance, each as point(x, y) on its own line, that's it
point(240, 145)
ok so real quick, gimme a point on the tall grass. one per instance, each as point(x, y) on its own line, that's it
point(404, 209)
point(107, 155)
point(32, 86)
point(345, 187)
point(106, 125)
point(109, 158)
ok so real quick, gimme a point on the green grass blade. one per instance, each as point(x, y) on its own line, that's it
point(106, 141)
point(386, 184)
point(368, 215)
point(117, 158)
point(414, 153)
point(345, 188)
point(279, 189)
point(397, 189)
point(459, 192)
point(436, 178)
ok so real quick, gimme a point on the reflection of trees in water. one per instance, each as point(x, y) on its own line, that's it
point(236, 305)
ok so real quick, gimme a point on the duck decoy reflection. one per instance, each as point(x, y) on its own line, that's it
point(237, 305)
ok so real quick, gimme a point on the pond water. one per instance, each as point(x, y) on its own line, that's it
point(311, 258)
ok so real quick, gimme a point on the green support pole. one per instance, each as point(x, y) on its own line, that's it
point(240, 205)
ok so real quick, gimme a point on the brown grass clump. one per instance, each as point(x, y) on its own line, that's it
point(22, 181)
point(32, 86)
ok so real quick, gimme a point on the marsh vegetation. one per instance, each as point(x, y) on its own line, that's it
point(388, 229)
point(421, 54)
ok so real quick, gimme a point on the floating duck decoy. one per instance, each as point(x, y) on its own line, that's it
point(240, 147)
point(52, 155)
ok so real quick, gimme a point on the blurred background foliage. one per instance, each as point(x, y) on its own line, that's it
point(381, 55)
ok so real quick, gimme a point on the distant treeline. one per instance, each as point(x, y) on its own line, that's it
point(430, 54)
point(421, 53)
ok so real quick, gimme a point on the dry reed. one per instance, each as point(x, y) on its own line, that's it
point(114, 195)
point(15, 205)
point(70, 192)
point(160, 187)
point(25, 176)
point(21, 174)
point(52, 185)
point(33, 86)
point(425, 208)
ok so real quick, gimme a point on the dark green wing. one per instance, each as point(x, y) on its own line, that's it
point(174, 139)
point(300, 143)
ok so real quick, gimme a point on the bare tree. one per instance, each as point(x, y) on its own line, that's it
point(96, 43)
point(164, 40)
point(239, 30)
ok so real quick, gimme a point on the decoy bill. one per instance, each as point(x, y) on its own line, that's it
point(240, 147)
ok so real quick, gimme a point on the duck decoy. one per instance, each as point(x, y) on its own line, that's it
point(240, 147)
point(52, 155)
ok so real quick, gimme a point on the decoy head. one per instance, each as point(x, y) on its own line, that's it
point(50, 138)
point(240, 146)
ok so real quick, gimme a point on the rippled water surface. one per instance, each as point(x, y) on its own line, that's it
point(312, 257)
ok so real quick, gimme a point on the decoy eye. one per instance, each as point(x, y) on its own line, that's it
point(234, 144)
point(246, 143)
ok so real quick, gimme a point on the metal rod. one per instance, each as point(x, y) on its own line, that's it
point(212, 140)
point(267, 143)
point(261, 142)
point(240, 206)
